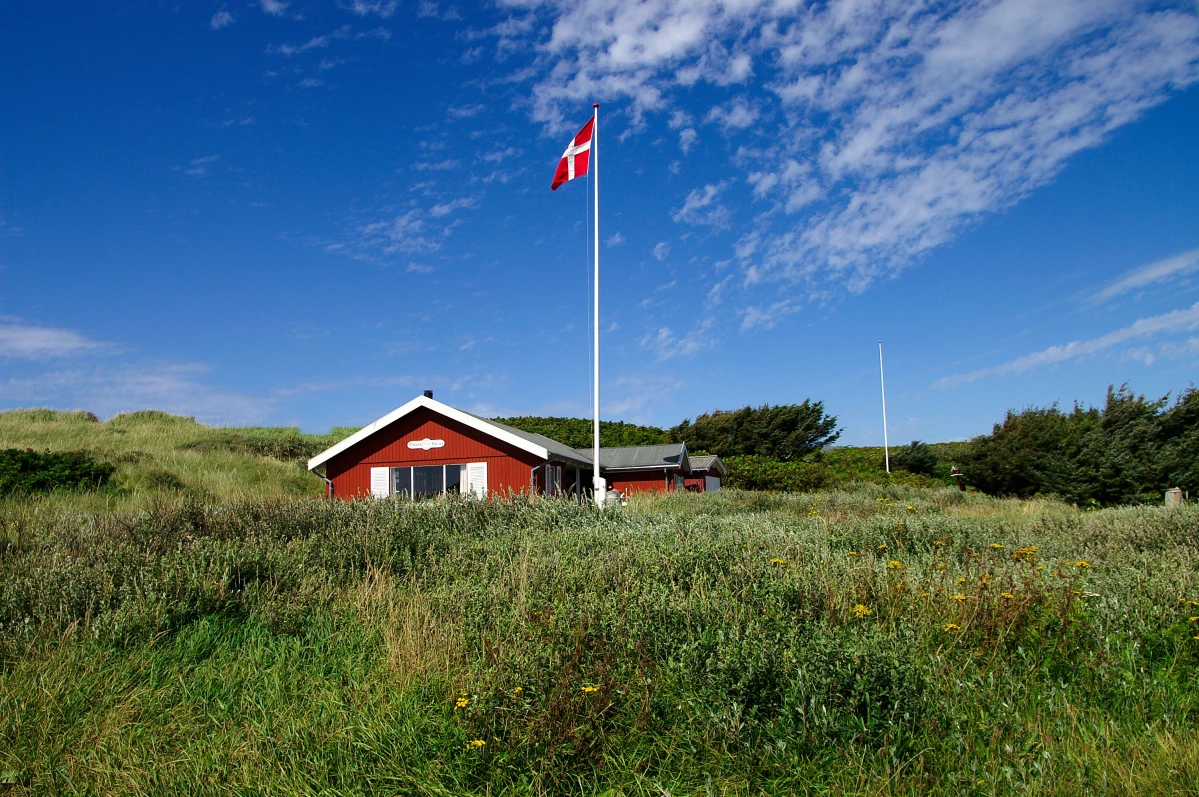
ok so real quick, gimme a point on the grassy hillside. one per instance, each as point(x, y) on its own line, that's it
point(158, 454)
point(883, 640)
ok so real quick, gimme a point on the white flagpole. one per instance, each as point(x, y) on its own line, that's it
point(883, 382)
point(599, 485)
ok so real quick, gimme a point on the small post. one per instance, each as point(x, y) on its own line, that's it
point(1174, 497)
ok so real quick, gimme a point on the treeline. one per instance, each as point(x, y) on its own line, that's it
point(576, 432)
point(1127, 452)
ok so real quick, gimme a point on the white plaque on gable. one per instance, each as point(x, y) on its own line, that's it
point(426, 444)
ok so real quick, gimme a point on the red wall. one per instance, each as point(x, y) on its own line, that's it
point(698, 481)
point(507, 466)
point(640, 481)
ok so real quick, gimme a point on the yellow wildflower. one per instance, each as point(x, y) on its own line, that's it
point(1040, 567)
point(997, 546)
point(961, 579)
point(1195, 619)
point(1082, 564)
point(853, 553)
point(924, 594)
point(861, 611)
point(894, 565)
point(958, 598)
point(476, 743)
point(911, 508)
point(938, 542)
point(941, 565)
point(589, 689)
point(777, 561)
point(951, 627)
point(1007, 596)
point(461, 702)
point(883, 547)
point(518, 690)
point(985, 579)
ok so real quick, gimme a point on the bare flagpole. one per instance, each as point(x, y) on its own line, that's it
point(598, 484)
point(883, 382)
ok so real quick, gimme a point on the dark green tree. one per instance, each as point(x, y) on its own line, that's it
point(916, 457)
point(785, 432)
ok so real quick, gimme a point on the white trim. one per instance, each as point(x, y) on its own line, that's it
point(466, 419)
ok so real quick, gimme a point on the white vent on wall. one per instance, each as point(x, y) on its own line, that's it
point(380, 482)
point(476, 479)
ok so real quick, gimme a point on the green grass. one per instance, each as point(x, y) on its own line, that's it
point(158, 455)
point(696, 644)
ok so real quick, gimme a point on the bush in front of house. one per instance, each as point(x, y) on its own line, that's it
point(29, 471)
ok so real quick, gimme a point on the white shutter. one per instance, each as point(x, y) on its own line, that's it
point(476, 479)
point(380, 482)
point(711, 484)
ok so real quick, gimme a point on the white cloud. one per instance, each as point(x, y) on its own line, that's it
point(910, 118)
point(275, 8)
point(687, 137)
point(437, 166)
point(733, 116)
point(768, 316)
point(661, 250)
point(465, 111)
point(615, 239)
point(198, 167)
point(39, 343)
point(445, 208)
point(1165, 270)
point(701, 208)
point(364, 8)
point(667, 345)
point(221, 19)
point(1175, 321)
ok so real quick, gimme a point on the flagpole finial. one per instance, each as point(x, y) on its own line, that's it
point(595, 105)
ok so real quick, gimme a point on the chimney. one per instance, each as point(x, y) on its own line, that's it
point(428, 394)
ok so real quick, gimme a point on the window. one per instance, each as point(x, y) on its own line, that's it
point(401, 480)
point(426, 481)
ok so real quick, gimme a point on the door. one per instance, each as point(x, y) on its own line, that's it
point(476, 479)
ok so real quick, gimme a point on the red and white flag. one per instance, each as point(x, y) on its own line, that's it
point(574, 160)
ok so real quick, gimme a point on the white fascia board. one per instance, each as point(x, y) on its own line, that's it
point(446, 410)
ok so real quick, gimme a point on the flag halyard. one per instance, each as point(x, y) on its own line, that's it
point(576, 158)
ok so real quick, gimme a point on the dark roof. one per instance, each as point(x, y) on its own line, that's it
point(668, 456)
point(557, 450)
point(701, 462)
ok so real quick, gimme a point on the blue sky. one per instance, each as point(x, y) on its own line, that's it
point(307, 212)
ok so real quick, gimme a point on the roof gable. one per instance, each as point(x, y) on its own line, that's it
point(537, 445)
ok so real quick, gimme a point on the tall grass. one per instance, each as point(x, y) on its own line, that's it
point(872, 640)
point(158, 455)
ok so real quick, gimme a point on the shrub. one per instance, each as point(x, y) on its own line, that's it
point(29, 471)
point(786, 432)
point(764, 473)
point(916, 457)
point(1127, 452)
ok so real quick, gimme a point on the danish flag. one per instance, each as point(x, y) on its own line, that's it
point(574, 160)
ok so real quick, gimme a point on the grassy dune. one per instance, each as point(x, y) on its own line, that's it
point(876, 640)
point(162, 455)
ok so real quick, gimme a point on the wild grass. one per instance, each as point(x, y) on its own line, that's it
point(873, 640)
point(157, 455)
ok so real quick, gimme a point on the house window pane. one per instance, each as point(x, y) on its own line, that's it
point(427, 481)
point(401, 482)
point(453, 478)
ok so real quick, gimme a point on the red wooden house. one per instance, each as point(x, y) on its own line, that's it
point(425, 448)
